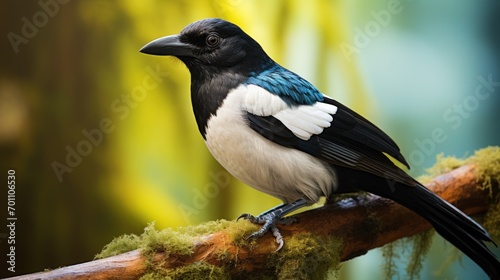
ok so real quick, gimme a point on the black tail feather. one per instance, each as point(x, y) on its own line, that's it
point(451, 223)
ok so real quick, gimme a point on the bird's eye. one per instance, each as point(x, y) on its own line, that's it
point(212, 40)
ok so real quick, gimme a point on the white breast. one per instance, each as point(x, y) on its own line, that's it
point(285, 173)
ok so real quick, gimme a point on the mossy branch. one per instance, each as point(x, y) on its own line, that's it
point(313, 247)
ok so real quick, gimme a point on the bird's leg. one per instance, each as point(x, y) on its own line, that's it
point(271, 218)
point(275, 215)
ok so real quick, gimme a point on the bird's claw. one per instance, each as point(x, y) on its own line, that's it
point(269, 221)
point(274, 217)
point(278, 236)
point(248, 217)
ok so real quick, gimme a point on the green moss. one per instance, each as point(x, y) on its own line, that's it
point(391, 255)
point(488, 168)
point(443, 165)
point(239, 230)
point(421, 245)
point(492, 220)
point(487, 163)
point(119, 245)
point(307, 256)
point(410, 252)
point(304, 256)
point(170, 241)
point(205, 228)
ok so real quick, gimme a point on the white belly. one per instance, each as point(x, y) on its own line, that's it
point(285, 173)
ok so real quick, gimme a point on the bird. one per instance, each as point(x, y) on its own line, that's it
point(274, 131)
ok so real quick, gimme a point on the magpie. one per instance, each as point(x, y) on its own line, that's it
point(277, 133)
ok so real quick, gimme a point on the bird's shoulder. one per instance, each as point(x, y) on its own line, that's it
point(290, 87)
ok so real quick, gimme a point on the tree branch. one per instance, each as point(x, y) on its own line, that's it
point(363, 224)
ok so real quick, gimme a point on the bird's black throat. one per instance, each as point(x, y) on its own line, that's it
point(208, 92)
point(211, 85)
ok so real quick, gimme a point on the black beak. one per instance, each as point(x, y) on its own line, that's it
point(168, 45)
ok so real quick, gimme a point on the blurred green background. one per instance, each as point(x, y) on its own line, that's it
point(103, 140)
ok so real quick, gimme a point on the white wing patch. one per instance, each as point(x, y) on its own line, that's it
point(306, 120)
point(261, 102)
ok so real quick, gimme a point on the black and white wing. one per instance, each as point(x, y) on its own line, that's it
point(327, 130)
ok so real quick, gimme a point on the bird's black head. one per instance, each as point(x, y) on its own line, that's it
point(219, 55)
point(211, 45)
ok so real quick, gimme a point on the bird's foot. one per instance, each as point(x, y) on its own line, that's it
point(269, 221)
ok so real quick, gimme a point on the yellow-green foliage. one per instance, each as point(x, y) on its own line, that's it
point(487, 163)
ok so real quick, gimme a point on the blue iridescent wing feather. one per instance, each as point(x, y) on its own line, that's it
point(292, 88)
